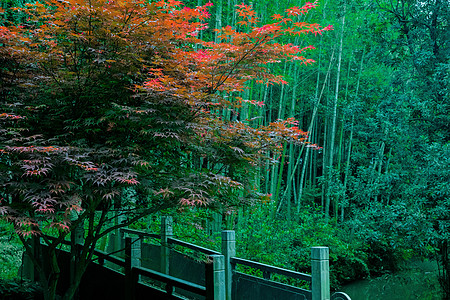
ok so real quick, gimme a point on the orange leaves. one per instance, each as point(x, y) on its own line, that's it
point(87, 167)
point(175, 85)
point(168, 4)
point(162, 35)
point(307, 28)
point(284, 129)
point(258, 47)
point(247, 14)
point(164, 193)
point(277, 17)
point(155, 84)
point(296, 11)
point(10, 116)
point(201, 56)
point(253, 102)
point(130, 181)
point(301, 24)
point(267, 29)
point(159, 81)
point(5, 33)
point(226, 32)
point(25, 226)
point(40, 149)
point(249, 142)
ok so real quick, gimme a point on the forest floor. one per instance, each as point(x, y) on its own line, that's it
point(10, 257)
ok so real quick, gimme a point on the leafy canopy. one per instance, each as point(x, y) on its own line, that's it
point(100, 95)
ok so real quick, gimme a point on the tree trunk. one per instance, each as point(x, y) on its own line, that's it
point(218, 5)
point(313, 117)
point(347, 168)
point(332, 132)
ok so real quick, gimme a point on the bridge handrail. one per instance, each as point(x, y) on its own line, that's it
point(171, 241)
point(170, 280)
point(193, 247)
point(271, 269)
point(141, 233)
point(102, 256)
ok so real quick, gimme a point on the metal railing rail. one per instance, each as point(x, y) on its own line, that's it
point(102, 256)
point(268, 269)
point(170, 240)
point(170, 281)
point(193, 247)
point(140, 233)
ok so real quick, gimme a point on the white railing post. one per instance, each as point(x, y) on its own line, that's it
point(228, 251)
point(215, 278)
point(119, 234)
point(77, 239)
point(166, 233)
point(136, 252)
point(27, 269)
point(129, 288)
point(320, 273)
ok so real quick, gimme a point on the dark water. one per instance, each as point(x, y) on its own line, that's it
point(418, 281)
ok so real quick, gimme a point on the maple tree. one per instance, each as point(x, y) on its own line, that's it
point(103, 97)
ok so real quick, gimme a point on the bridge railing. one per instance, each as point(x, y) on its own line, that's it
point(222, 280)
point(214, 270)
point(220, 273)
point(131, 272)
point(319, 278)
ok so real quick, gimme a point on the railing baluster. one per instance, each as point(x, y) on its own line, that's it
point(320, 273)
point(169, 288)
point(267, 275)
point(228, 251)
point(129, 286)
point(166, 234)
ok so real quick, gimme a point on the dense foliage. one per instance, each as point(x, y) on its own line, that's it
point(377, 101)
point(118, 106)
point(185, 117)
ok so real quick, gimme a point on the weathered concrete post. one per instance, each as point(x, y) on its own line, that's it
point(78, 234)
point(166, 233)
point(228, 251)
point(129, 284)
point(136, 252)
point(320, 273)
point(215, 278)
point(119, 235)
point(27, 270)
point(77, 239)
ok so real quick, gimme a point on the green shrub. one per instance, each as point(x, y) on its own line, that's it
point(10, 252)
point(278, 242)
point(17, 290)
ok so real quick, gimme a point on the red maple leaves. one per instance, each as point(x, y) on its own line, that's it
point(153, 53)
